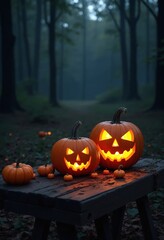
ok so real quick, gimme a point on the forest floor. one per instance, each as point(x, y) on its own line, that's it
point(19, 140)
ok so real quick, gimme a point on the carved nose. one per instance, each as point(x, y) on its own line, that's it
point(78, 157)
point(115, 143)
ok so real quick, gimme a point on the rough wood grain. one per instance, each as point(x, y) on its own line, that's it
point(85, 199)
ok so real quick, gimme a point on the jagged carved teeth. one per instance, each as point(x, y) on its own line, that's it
point(76, 166)
point(126, 154)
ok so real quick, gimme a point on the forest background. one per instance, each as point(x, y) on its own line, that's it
point(68, 60)
point(81, 50)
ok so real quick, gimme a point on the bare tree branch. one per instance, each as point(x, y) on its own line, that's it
point(113, 16)
point(149, 8)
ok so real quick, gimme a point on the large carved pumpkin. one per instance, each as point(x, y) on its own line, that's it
point(119, 142)
point(75, 155)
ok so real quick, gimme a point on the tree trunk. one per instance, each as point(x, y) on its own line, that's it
point(19, 43)
point(124, 59)
point(8, 101)
point(61, 63)
point(84, 52)
point(52, 44)
point(159, 84)
point(37, 45)
point(147, 44)
point(133, 85)
point(27, 48)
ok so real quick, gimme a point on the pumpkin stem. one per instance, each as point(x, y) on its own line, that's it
point(74, 130)
point(120, 167)
point(117, 115)
point(17, 163)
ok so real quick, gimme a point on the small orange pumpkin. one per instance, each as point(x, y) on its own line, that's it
point(94, 175)
point(75, 155)
point(17, 173)
point(68, 177)
point(51, 175)
point(106, 172)
point(119, 173)
point(42, 134)
point(119, 142)
point(44, 170)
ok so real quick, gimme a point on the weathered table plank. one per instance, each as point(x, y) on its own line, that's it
point(77, 195)
point(85, 199)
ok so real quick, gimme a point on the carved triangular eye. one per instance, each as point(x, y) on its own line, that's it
point(104, 135)
point(129, 136)
point(69, 151)
point(85, 150)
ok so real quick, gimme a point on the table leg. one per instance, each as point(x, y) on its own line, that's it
point(41, 229)
point(146, 218)
point(103, 228)
point(1, 204)
point(66, 231)
point(117, 220)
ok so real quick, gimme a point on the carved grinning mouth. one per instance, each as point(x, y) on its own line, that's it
point(76, 166)
point(118, 156)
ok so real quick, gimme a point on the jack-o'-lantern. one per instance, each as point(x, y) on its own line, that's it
point(119, 142)
point(75, 155)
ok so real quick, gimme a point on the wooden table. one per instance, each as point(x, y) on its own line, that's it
point(85, 200)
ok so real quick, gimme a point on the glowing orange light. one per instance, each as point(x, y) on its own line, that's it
point(76, 166)
point(49, 133)
point(115, 143)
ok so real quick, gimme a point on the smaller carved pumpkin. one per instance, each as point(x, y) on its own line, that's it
point(75, 155)
point(17, 173)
